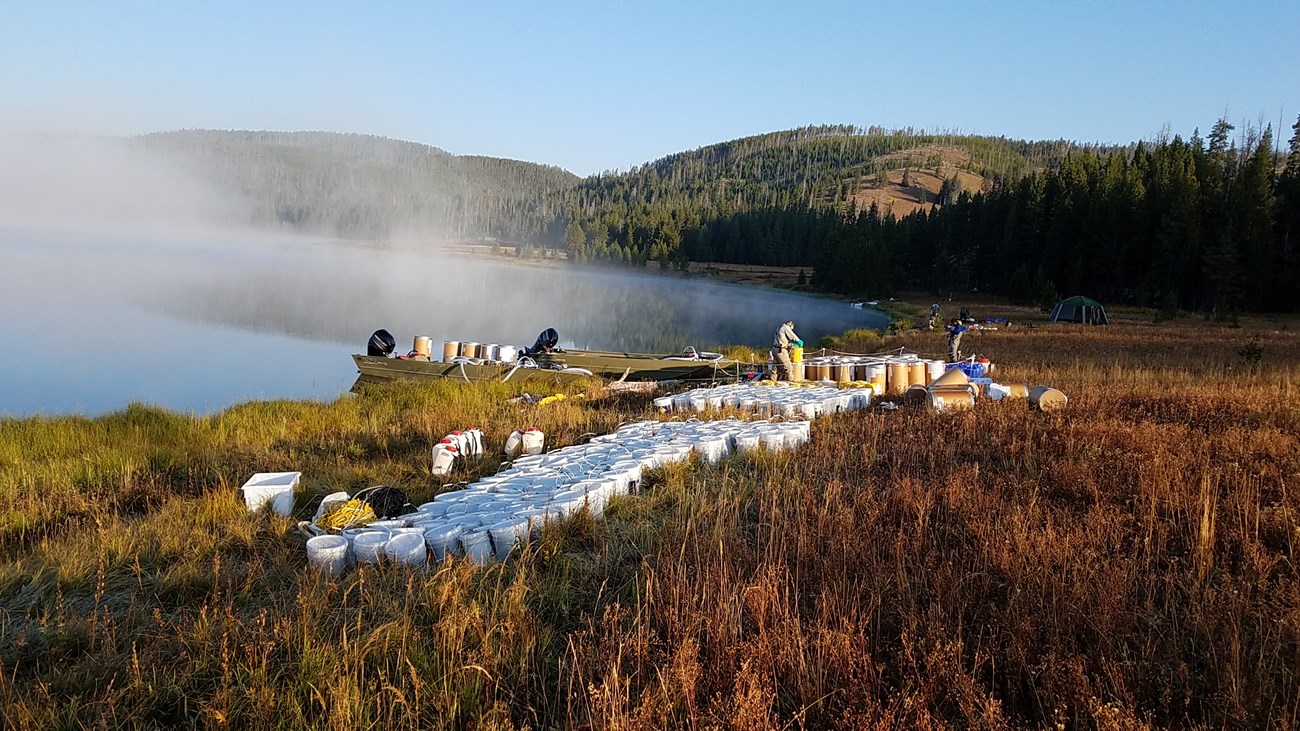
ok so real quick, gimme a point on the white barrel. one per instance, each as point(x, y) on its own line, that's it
point(329, 554)
point(407, 549)
point(507, 353)
point(493, 352)
point(369, 546)
point(934, 369)
point(478, 545)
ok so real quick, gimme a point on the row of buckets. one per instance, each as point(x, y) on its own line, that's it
point(776, 400)
point(952, 390)
point(494, 516)
point(453, 349)
point(888, 375)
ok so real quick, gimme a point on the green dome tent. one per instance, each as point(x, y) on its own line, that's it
point(1079, 309)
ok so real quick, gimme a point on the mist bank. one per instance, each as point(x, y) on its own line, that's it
point(341, 292)
point(200, 323)
point(106, 186)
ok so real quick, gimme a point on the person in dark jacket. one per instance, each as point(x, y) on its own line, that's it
point(955, 330)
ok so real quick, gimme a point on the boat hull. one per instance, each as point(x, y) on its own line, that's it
point(376, 369)
point(643, 367)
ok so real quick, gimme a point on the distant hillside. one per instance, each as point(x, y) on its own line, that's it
point(369, 187)
point(719, 202)
point(767, 199)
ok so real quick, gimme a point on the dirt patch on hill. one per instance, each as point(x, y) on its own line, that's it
point(917, 184)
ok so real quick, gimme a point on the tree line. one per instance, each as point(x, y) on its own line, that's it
point(1200, 224)
point(1203, 224)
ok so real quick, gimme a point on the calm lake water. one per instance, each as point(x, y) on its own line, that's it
point(197, 323)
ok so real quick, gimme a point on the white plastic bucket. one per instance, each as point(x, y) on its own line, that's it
point(713, 449)
point(443, 540)
point(407, 549)
point(329, 554)
point(369, 546)
point(506, 533)
point(507, 353)
point(772, 440)
point(748, 441)
point(478, 545)
point(435, 509)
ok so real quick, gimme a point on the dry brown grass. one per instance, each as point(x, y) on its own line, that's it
point(1126, 563)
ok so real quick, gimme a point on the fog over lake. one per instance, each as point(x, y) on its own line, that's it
point(92, 322)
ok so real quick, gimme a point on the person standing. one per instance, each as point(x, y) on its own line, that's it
point(934, 314)
point(955, 330)
point(782, 342)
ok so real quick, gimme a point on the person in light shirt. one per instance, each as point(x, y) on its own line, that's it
point(782, 342)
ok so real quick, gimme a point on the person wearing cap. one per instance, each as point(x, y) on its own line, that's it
point(954, 330)
point(782, 342)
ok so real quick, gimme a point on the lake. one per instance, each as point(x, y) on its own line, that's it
point(92, 322)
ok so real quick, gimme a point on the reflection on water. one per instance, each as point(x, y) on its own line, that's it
point(93, 323)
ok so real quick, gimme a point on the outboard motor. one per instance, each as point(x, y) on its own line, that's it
point(546, 341)
point(381, 344)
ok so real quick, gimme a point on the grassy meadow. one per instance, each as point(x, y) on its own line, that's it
point(1128, 562)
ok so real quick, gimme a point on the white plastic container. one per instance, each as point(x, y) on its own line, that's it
point(271, 488)
point(478, 545)
point(443, 540)
point(329, 554)
point(533, 441)
point(444, 458)
point(506, 533)
point(369, 546)
point(434, 509)
point(407, 549)
point(712, 449)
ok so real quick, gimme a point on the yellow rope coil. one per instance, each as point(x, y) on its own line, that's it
point(346, 514)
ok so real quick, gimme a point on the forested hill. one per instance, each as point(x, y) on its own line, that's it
point(365, 186)
point(768, 199)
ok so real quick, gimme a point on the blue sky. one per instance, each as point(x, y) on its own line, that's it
point(604, 86)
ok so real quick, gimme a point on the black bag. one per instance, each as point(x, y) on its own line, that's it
point(387, 502)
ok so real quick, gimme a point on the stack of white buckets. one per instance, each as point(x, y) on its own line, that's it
point(494, 515)
point(791, 403)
